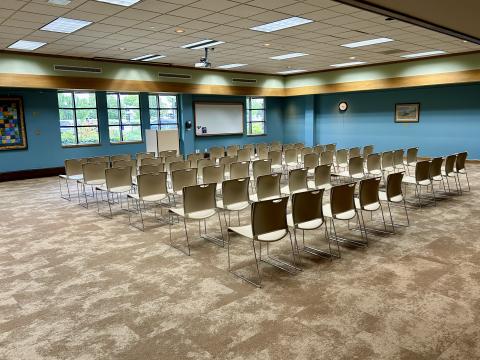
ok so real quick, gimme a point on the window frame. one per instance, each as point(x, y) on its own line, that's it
point(76, 125)
point(249, 115)
point(159, 123)
point(119, 110)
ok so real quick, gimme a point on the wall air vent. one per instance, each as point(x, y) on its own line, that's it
point(81, 69)
point(174, 76)
point(241, 80)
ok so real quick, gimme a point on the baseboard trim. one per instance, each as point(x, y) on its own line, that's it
point(31, 174)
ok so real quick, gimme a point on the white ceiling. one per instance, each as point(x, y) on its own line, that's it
point(149, 26)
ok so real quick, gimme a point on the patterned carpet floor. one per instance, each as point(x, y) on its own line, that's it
point(75, 285)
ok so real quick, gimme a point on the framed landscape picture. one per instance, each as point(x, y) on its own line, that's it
point(407, 113)
point(12, 124)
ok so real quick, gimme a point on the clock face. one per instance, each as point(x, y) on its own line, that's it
point(343, 106)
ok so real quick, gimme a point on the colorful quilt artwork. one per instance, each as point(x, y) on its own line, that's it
point(12, 124)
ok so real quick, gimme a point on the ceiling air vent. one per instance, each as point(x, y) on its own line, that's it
point(81, 69)
point(174, 76)
point(240, 80)
point(391, 52)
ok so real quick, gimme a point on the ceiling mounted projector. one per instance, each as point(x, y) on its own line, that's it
point(204, 61)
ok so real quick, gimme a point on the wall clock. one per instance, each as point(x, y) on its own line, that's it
point(343, 106)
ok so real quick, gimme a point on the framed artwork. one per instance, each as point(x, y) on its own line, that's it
point(407, 113)
point(12, 124)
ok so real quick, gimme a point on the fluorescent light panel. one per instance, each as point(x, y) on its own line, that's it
point(353, 63)
point(26, 45)
point(120, 2)
point(427, 53)
point(230, 66)
point(154, 58)
point(202, 44)
point(65, 25)
point(287, 72)
point(288, 56)
point(149, 57)
point(367, 42)
point(282, 24)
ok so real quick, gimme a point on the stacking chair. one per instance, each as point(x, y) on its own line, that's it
point(342, 208)
point(226, 161)
point(167, 153)
point(232, 150)
point(449, 172)
point(411, 158)
point(143, 155)
point(307, 214)
point(297, 182)
point(310, 162)
point(367, 150)
point(194, 158)
point(151, 169)
point(354, 152)
point(93, 175)
point(150, 161)
point(240, 170)
point(318, 149)
point(268, 187)
point(198, 204)
point(243, 155)
point(179, 165)
point(436, 172)
point(201, 164)
point(275, 143)
point(398, 159)
point(118, 181)
point(99, 159)
point(234, 197)
point(262, 153)
point(394, 195)
point(341, 159)
point(181, 179)
point(73, 172)
point(326, 158)
point(251, 150)
point(214, 174)
point(421, 179)
point(374, 166)
point(216, 152)
point(171, 159)
point(288, 147)
point(322, 178)
point(275, 146)
point(460, 169)
point(152, 189)
point(387, 164)
point(261, 167)
point(355, 168)
point(304, 151)
point(276, 161)
point(291, 159)
point(126, 157)
point(331, 147)
point(299, 146)
point(368, 200)
point(269, 224)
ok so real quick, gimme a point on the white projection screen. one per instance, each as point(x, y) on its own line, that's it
point(218, 118)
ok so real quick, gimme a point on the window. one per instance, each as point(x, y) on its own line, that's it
point(78, 118)
point(124, 123)
point(163, 111)
point(255, 116)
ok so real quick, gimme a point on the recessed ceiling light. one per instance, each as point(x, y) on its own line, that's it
point(120, 2)
point(202, 44)
point(230, 66)
point(427, 53)
point(26, 45)
point(59, 2)
point(122, 48)
point(367, 42)
point(267, 44)
point(282, 24)
point(352, 57)
point(65, 25)
point(465, 41)
point(288, 56)
point(287, 72)
point(349, 64)
point(179, 31)
point(142, 57)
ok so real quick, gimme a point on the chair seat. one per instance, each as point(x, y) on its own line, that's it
point(92, 182)
point(342, 173)
point(196, 215)
point(346, 215)
point(286, 190)
point(357, 176)
point(148, 198)
point(382, 195)
point(450, 174)
point(388, 168)
point(276, 167)
point(343, 165)
point(233, 207)
point(437, 178)
point(412, 180)
point(247, 231)
point(292, 164)
point(71, 177)
point(375, 172)
point(370, 207)
point(306, 225)
point(311, 185)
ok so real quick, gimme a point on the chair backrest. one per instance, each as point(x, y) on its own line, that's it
point(268, 186)
point(368, 192)
point(342, 156)
point(116, 177)
point(354, 152)
point(213, 174)
point(275, 157)
point(199, 198)
point(299, 146)
point(412, 155)
point(276, 147)
point(151, 161)
point(398, 157)
point(422, 170)
point(394, 185)
point(307, 206)
point(297, 180)
point(126, 163)
point(262, 153)
point(288, 146)
point(74, 167)
point(306, 150)
point(269, 216)
point(232, 150)
point(373, 162)
point(355, 166)
point(171, 159)
point(226, 161)
point(261, 146)
point(251, 150)
point(235, 191)
point(182, 178)
point(152, 184)
point(216, 152)
point(179, 165)
point(239, 170)
point(243, 155)
point(261, 167)
point(291, 156)
point(94, 171)
point(460, 163)
point(126, 157)
point(323, 175)
point(341, 198)
point(151, 169)
point(331, 147)
point(99, 159)
point(326, 157)
point(367, 150)
point(436, 167)
point(450, 163)
point(310, 161)
point(193, 158)
point(318, 149)
point(167, 153)
point(144, 155)
point(203, 163)
point(387, 159)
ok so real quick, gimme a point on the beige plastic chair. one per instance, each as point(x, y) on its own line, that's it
point(269, 224)
point(449, 172)
point(276, 161)
point(355, 168)
point(127, 163)
point(73, 172)
point(171, 159)
point(243, 155)
point(291, 159)
point(152, 190)
point(232, 150)
point(194, 158)
point(99, 159)
point(239, 170)
point(118, 181)
point(297, 182)
point(226, 161)
point(198, 204)
point(275, 147)
point(268, 187)
point(421, 179)
point(331, 147)
point(179, 165)
point(235, 197)
point(151, 169)
point(326, 158)
point(412, 159)
point(214, 174)
point(251, 150)
point(374, 166)
point(310, 162)
point(288, 147)
point(304, 151)
point(387, 164)
point(168, 153)
point(181, 179)
point(93, 175)
point(460, 169)
point(262, 153)
point(367, 150)
point(201, 164)
point(216, 152)
point(299, 146)
point(318, 149)
point(394, 195)
point(125, 157)
point(322, 178)
point(398, 159)
point(354, 152)
point(150, 161)
point(341, 159)
point(261, 167)
point(307, 214)
point(368, 200)
point(342, 208)
point(261, 146)
point(436, 172)
point(143, 155)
